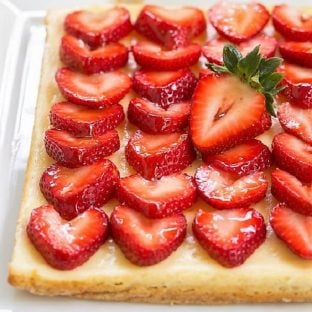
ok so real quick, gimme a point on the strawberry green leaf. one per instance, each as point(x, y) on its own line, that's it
point(231, 57)
point(249, 64)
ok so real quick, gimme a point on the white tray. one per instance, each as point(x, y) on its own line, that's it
point(22, 40)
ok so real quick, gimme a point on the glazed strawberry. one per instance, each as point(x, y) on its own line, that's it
point(287, 188)
point(77, 55)
point(81, 121)
point(165, 88)
point(98, 28)
point(296, 121)
point(291, 23)
point(294, 229)
point(72, 191)
point(223, 190)
point(293, 155)
point(96, 90)
point(66, 245)
point(154, 156)
point(156, 57)
point(229, 236)
point(218, 116)
point(242, 159)
point(238, 22)
point(297, 52)
point(172, 28)
point(152, 118)
point(75, 152)
point(144, 242)
point(161, 198)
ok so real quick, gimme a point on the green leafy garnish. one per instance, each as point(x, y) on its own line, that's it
point(253, 69)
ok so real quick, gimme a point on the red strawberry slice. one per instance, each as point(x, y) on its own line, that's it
point(170, 27)
point(152, 118)
point(161, 198)
point(287, 188)
point(156, 57)
point(242, 159)
point(97, 90)
point(144, 241)
point(238, 22)
point(296, 121)
point(230, 236)
point(82, 121)
point(223, 190)
point(66, 245)
point(291, 23)
point(294, 229)
point(297, 52)
point(293, 155)
point(98, 28)
point(75, 152)
point(77, 55)
point(72, 191)
point(203, 72)
point(165, 88)
point(218, 116)
point(154, 156)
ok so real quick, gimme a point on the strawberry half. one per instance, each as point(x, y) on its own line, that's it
point(81, 121)
point(156, 57)
point(287, 188)
point(161, 198)
point(154, 156)
point(229, 236)
point(77, 55)
point(291, 23)
point(96, 90)
point(152, 118)
point(72, 191)
point(66, 245)
point(223, 190)
point(144, 241)
point(238, 22)
point(297, 52)
point(242, 159)
point(294, 229)
point(218, 116)
point(293, 155)
point(75, 152)
point(165, 88)
point(99, 28)
point(170, 27)
point(296, 121)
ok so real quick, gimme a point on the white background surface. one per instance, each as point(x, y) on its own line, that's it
point(22, 38)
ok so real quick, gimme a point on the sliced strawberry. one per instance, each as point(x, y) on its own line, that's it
point(287, 188)
point(75, 152)
point(161, 198)
point(297, 52)
point(242, 159)
point(66, 245)
point(98, 28)
point(154, 156)
point(296, 121)
point(293, 155)
point(230, 236)
point(291, 23)
point(152, 118)
point(203, 72)
point(72, 191)
point(238, 22)
point(77, 55)
point(223, 190)
point(97, 90)
point(218, 116)
point(144, 241)
point(294, 229)
point(156, 57)
point(171, 27)
point(83, 121)
point(165, 88)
